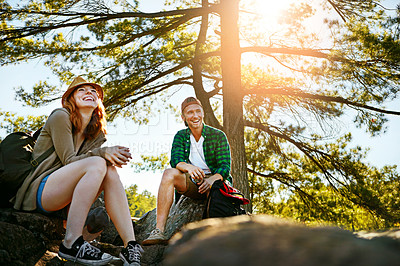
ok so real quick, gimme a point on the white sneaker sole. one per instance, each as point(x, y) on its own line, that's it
point(103, 261)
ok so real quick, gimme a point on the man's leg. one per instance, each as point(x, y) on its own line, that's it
point(172, 178)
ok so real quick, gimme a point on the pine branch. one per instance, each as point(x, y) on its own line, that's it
point(338, 10)
point(313, 154)
point(171, 13)
point(283, 178)
point(98, 17)
point(336, 99)
point(281, 50)
point(307, 150)
point(286, 180)
point(182, 65)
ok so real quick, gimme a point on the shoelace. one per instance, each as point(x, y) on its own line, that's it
point(86, 248)
point(156, 232)
point(135, 252)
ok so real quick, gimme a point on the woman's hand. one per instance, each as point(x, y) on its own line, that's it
point(118, 155)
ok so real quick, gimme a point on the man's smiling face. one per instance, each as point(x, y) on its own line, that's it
point(193, 115)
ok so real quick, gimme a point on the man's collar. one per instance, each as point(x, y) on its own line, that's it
point(203, 131)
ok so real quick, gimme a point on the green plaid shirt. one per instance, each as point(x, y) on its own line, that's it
point(215, 146)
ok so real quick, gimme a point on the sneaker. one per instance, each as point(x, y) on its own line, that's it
point(131, 254)
point(84, 253)
point(156, 237)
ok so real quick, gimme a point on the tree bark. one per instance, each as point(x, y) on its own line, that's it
point(232, 93)
point(201, 94)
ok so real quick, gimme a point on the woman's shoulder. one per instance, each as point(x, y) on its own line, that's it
point(59, 115)
point(60, 112)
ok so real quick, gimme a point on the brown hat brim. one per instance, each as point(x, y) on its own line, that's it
point(189, 101)
point(78, 82)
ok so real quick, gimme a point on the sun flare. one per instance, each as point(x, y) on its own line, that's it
point(269, 9)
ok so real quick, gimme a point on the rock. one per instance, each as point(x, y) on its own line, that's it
point(25, 237)
point(32, 238)
point(185, 211)
point(264, 240)
point(32, 247)
point(393, 233)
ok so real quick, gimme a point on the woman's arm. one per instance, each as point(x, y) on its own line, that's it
point(59, 127)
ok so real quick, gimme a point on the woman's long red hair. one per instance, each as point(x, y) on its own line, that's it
point(96, 124)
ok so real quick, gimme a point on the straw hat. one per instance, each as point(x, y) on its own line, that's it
point(79, 81)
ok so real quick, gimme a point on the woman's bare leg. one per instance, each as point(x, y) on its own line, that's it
point(77, 184)
point(117, 206)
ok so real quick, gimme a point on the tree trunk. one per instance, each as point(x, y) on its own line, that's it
point(232, 93)
point(201, 94)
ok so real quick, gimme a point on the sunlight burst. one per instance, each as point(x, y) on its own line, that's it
point(270, 10)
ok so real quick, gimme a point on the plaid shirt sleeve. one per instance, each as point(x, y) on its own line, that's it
point(223, 156)
point(178, 149)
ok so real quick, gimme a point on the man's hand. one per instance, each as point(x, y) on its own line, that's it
point(207, 183)
point(205, 186)
point(195, 172)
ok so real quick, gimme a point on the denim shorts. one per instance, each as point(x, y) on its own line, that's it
point(39, 193)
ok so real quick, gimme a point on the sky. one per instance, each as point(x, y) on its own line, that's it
point(156, 137)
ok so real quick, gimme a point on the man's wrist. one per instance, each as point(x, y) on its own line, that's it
point(182, 167)
point(215, 177)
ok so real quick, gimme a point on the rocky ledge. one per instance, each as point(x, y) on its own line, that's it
point(33, 239)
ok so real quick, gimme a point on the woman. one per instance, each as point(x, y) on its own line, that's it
point(77, 172)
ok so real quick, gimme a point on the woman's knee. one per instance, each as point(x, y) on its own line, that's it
point(96, 165)
point(112, 174)
point(112, 177)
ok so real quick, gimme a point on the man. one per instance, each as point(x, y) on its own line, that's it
point(200, 155)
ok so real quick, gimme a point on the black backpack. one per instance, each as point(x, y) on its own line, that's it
point(16, 163)
point(224, 201)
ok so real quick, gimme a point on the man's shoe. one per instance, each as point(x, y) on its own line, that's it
point(156, 237)
point(84, 253)
point(131, 254)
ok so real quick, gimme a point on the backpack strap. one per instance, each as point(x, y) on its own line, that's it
point(41, 158)
point(1, 161)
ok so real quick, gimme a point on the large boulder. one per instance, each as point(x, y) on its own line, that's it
point(264, 240)
point(25, 237)
point(32, 238)
point(184, 212)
